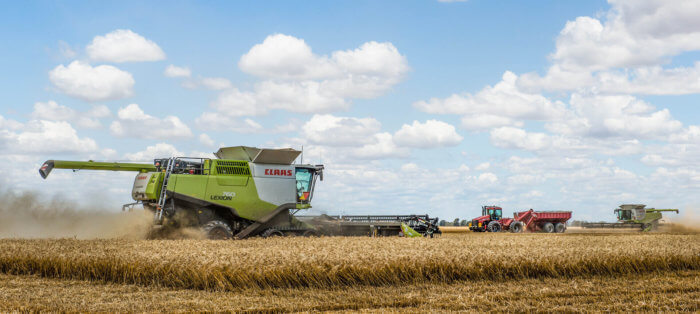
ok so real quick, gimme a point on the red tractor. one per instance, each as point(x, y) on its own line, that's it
point(490, 220)
point(544, 221)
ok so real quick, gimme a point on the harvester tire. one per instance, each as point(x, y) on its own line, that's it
point(559, 227)
point(217, 230)
point(310, 233)
point(494, 226)
point(548, 227)
point(269, 233)
point(517, 227)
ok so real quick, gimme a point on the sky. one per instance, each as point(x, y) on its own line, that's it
point(434, 107)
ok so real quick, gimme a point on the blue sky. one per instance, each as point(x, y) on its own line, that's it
point(413, 106)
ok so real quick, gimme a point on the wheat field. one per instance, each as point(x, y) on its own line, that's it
point(455, 272)
point(329, 262)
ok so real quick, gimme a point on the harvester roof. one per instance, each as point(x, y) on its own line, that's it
point(280, 156)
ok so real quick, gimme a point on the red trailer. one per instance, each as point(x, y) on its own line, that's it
point(530, 220)
point(544, 221)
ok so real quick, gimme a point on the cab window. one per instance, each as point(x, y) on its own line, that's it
point(303, 177)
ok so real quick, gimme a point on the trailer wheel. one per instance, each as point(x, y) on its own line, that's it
point(217, 230)
point(494, 226)
point(560, 227)
point(517, 227)
point(548, 227)
point(272, 233)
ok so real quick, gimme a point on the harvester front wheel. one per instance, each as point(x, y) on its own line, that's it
point(517, 227)
point(271, 233)
point(494, 226)
point(548, 227)
point(560, 227)
point(217, 230)
point(310, 233)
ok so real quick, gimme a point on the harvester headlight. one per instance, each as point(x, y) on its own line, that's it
point(479, 225)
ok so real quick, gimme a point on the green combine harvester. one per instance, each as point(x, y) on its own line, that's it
point(245, 192)
point(634, 216)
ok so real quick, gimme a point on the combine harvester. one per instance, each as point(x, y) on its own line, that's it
point(633, 216)
point(245, 192)
point(492, 220)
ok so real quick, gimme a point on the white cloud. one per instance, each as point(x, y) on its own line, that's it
point(52, 111)
point(160, 150)
point(215, 121)
point(103, 82)
point(635, 36)
point(295, 79)
point(502, 104)
point(66, 50)
point(176, 71)
point(650, 80)
point(286, 57)
point(330, 130)
point(9, 125)
point(487, 121)
point(206, 140)
point(510, 137)
point(215, 83)
point(40, 136)
point(431, 134)
point(409, 167)
point(123, 45)
point(615, 116)
point(211, 83)
point(487, 178)
point(622, 41)
point(381, 146)
point(482, 166)
point(346, 140)
point(134, 122)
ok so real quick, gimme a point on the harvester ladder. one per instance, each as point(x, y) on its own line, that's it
point(158, 219)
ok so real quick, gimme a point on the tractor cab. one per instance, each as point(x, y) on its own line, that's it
point(494, 212)
point(306, 176)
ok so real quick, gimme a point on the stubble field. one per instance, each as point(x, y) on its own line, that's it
point(461, 271)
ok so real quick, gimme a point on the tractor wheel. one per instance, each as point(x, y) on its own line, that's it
point(548, 227)
point(269, 233)
point(494, 226)
point(517, 227)
point(559, 227)
point(217, 230)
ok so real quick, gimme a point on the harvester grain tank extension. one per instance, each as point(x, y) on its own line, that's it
point(246, 191)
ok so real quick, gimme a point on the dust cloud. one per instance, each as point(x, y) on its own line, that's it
point(26, 215)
